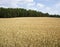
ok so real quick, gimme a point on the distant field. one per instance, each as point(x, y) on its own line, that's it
point(30, 32)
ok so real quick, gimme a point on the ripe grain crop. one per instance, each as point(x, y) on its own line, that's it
point(30, 32)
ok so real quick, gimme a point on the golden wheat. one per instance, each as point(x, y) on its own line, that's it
point(30, 32)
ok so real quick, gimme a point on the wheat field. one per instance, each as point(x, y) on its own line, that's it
point(30, 32)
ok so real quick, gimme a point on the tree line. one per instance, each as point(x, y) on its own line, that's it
point(20, 12)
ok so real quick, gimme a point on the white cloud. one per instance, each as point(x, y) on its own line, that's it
point(45, 9)
point(9, 3)
point(30, 4)
point(13, 3)
point(26, 0)
point(40, 5)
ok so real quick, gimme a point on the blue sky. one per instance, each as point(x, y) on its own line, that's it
point(45, 6)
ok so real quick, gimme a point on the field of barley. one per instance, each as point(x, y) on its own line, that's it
point(30, 32)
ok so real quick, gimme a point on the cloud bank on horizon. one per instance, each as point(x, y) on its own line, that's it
point(46, 6)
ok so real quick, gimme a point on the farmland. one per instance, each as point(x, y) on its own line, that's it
point(30, 32)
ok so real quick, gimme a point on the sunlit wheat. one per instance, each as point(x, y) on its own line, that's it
point(30, 32)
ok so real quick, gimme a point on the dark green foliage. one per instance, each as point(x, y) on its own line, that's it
point(20, 12)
